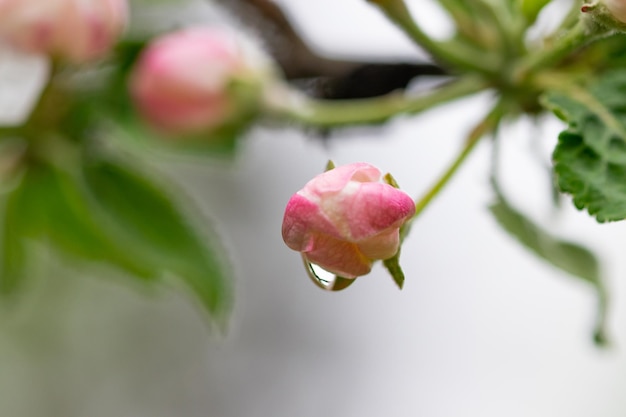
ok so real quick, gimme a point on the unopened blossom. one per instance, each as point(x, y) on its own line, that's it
point(617, 8)
point(73, 30)
point(346, 218)
point(183, 81)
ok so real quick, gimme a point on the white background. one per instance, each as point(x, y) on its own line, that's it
point(482, 328)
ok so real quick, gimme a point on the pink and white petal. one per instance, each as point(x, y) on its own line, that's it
point(29, 27)
point(335, 180)
point(381, 246)
point(213, 56)
point(338, 257)
point(373, 208)
point(302, 219)
point(617, 9)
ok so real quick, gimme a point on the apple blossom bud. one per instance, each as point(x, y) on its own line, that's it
point(346, 218)
point(617, 8)
point(74, 30)
point(604, 17)
point(184, 82)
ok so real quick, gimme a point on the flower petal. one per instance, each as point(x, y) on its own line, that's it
point(302, 219)
point(344, 219)
point(335, 180)
point(337, 256)
point(381, 246)
point(368, 209)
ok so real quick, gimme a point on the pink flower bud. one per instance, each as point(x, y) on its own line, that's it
point(75, 30)
point(182, 81)
point(344, 219)
point(617, 8)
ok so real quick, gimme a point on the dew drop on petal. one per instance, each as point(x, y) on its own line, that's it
point(324, 279)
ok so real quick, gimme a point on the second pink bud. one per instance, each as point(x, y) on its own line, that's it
point(183, 81)
point(73, 30)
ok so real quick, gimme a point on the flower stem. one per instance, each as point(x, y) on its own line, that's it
point(487, 125)
point(459, 55)
point(283, 102)
point(583, 33)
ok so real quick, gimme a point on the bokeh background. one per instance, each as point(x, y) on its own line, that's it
point(482, 328)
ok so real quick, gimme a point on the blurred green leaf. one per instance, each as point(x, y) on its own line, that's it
point(531, 8)
point(149, 226)
point(590, 157)
point(567, 256)
point(138, 137)
point(54, 209)
point(13, 258)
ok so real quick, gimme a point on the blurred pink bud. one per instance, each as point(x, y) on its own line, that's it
point(75, 30)
point(182, 82)
point(617, 8)
point(344, 219)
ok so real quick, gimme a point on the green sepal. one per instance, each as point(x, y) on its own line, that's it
point(390, 180)
point(342, 283)
point(393, 266)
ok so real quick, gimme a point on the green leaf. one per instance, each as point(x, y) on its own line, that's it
point(567, 256)
point(54, 209)
point(590, 157)
point(531, 8)
point(150, 227)
point(138, 136)
point(13, 261)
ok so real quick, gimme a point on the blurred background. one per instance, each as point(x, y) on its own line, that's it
point(481, 329)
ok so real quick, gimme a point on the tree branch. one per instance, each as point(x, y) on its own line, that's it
point(336, 79)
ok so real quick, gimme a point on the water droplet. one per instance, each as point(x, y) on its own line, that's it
point(324, 279)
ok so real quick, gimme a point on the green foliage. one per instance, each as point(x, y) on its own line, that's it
point(13, 265)
point(590, 157)
point(95, 208)
point(574, 259)
point(112, 216)
point(57, 211)
point(531, 8)
point(148, 225)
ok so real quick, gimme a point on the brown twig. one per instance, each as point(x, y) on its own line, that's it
point(336, 79)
